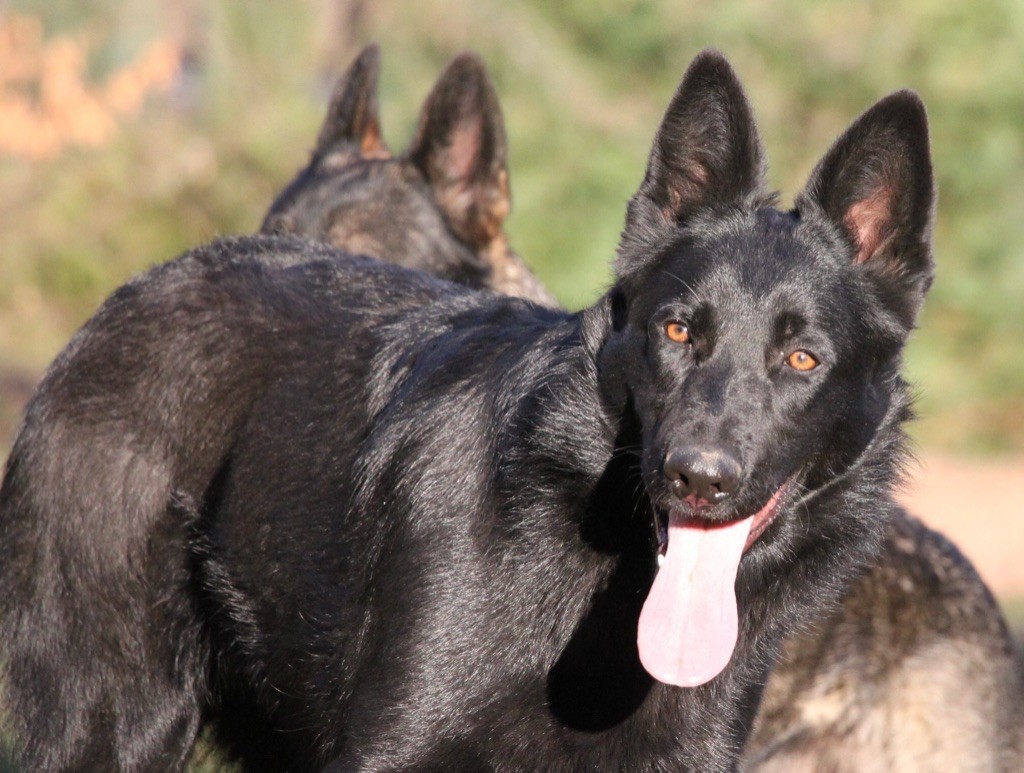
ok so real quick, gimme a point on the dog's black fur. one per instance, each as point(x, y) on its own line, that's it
point(401, 522)
point(439, 206)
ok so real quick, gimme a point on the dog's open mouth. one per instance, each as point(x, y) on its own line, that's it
point(689, 622)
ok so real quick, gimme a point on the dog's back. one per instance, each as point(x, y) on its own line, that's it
point(123, 436)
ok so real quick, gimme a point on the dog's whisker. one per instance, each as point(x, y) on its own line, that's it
point(686, 285)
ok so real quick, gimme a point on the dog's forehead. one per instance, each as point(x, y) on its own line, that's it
point(369, 180)
point(749, 259)
point(365, 190)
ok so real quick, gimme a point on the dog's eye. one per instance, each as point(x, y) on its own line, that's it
point(802, 361)
point(677, 332)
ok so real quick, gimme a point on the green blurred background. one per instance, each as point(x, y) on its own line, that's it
point(583, 84)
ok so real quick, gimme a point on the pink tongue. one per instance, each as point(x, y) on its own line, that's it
point(688, 625)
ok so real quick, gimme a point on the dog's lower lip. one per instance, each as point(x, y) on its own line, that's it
point(764, 518)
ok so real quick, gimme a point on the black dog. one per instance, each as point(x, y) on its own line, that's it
point(916, 669)
point(438, 207)
point(415, 526)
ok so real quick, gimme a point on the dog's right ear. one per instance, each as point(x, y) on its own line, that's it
point(353, 121)
point(706, 155)
point(461, 150)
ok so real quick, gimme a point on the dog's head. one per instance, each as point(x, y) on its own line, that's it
point(440, 207)
point(759, 349)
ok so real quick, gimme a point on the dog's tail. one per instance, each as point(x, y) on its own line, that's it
point(102, 649)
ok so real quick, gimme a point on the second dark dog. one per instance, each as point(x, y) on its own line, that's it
point(916, 671)
point(438, 207)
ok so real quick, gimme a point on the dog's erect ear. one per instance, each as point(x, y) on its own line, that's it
point(706, 153)
point(460, 148)
point(353, 123)
point(876, 185)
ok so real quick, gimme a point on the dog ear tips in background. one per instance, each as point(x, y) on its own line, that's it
point(467, 66)
point(710, 65)
point(461, 149)
point(353, 118)
point(461, 131)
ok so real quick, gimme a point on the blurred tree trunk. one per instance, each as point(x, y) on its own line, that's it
point(184, 23)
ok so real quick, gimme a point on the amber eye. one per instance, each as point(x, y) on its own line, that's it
point(802, 361)
point(677, 332)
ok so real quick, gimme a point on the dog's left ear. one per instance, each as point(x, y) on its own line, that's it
point(353, 121)
point(876, 185)
point(460, 148)
point(706, 156)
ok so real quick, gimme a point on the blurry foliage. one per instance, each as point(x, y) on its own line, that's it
point(583, 84)
point(45, 101)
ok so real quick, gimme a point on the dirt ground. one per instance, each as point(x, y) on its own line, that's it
point(980, 506)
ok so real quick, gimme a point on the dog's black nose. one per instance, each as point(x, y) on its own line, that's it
point(709, 476)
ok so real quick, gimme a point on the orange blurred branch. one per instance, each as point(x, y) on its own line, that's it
point(46, 100)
